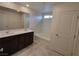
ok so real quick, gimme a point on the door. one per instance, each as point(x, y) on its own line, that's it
point(28, 39)
point(76, 45)
point(63, 35)
point(20, 41)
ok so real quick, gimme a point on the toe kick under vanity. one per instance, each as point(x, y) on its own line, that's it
point(14, 40)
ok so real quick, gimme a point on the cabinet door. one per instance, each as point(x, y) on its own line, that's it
point(13, 45)
point(63, 33)
point(24, 40)
point(28, 39)
point(9, 45)
point(20, 41)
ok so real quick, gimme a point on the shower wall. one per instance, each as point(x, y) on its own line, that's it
point(46, 28)
point(35, 22)
point(41, 26)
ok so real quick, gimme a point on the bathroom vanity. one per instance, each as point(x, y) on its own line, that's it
point(14, 40)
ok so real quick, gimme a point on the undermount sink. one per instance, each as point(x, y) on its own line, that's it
point(5, 32)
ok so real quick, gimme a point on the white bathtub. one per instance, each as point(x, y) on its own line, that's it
point(6, 33)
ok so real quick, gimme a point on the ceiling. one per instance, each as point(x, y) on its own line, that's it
point(46, 7)
point(42, 7)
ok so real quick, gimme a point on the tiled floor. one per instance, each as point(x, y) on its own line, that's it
point(38, 48)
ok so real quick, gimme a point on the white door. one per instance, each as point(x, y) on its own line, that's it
point(76, 44)
point(63, 35)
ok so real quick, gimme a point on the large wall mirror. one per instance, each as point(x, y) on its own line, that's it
point(10, 19)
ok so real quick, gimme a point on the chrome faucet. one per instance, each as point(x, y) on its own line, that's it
point(7, 29)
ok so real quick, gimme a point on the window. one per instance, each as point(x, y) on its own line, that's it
point(48, 16)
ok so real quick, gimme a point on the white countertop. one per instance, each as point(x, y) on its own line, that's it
point(13, 32)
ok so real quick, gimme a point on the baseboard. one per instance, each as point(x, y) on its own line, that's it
point(42, 37)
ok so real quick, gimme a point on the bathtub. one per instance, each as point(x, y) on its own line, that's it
point(6, 33)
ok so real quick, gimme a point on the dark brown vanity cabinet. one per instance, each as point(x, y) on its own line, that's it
point(15, 43)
